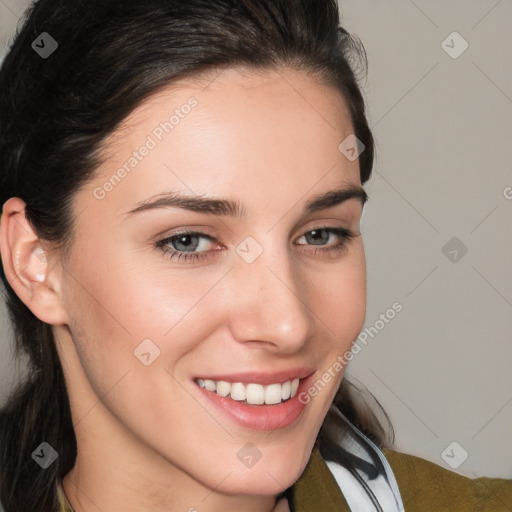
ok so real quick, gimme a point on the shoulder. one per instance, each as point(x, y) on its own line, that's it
point(424, 484)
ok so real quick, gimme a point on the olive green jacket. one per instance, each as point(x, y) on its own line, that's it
point(424, 487)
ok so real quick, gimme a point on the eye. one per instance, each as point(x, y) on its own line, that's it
point(184, 244)
point(193, 245)
point(321, 235)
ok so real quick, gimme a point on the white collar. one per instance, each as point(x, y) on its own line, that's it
point(357, 490)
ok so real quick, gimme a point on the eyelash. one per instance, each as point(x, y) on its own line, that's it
point(332, 251)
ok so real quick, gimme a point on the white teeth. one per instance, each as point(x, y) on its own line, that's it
point(294, 387)
point(273, 394)
point(237, 391)
point(223, 388)
point(210, 385)
point(254, 394)
point(286, 390)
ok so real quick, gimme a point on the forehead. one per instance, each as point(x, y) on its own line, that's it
point(236, 131)
point(234, 97)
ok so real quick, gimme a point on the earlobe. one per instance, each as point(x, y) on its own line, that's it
point(26, 267)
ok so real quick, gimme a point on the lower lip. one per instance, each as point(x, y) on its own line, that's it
point(260, 417)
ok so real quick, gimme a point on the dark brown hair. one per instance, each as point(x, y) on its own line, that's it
point(55, 112)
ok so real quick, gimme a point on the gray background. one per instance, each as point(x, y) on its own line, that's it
point(440, 367)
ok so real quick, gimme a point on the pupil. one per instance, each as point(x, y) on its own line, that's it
point(185, 241)
point(316, 234)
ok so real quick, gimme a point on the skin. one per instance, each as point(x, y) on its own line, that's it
point(146, 438)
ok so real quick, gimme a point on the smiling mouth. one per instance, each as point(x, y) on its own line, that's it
point(252, 393)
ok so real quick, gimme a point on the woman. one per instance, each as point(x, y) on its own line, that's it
point(182, 190)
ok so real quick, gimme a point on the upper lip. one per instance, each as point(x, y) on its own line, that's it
point(263, 378)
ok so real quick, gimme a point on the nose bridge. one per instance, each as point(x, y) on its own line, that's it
point(270, 302)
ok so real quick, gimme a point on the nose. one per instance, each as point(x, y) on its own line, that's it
point(269, 303)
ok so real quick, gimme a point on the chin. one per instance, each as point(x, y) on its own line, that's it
point(257, 484)
point(282, 471)
point(263, 478)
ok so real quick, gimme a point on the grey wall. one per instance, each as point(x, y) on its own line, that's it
point(441, 367)
point(437, 228)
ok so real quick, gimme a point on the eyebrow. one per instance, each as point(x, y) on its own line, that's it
point(231, 208)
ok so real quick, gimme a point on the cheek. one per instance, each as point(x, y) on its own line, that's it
point(135, 322)
point(130, 326)
point(113, 307)
point(127, 299)
point(339, 302)
point(338, 298)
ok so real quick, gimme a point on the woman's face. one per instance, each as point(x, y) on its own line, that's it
point(258, 294)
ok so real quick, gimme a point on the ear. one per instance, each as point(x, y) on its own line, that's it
point(26, 267)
